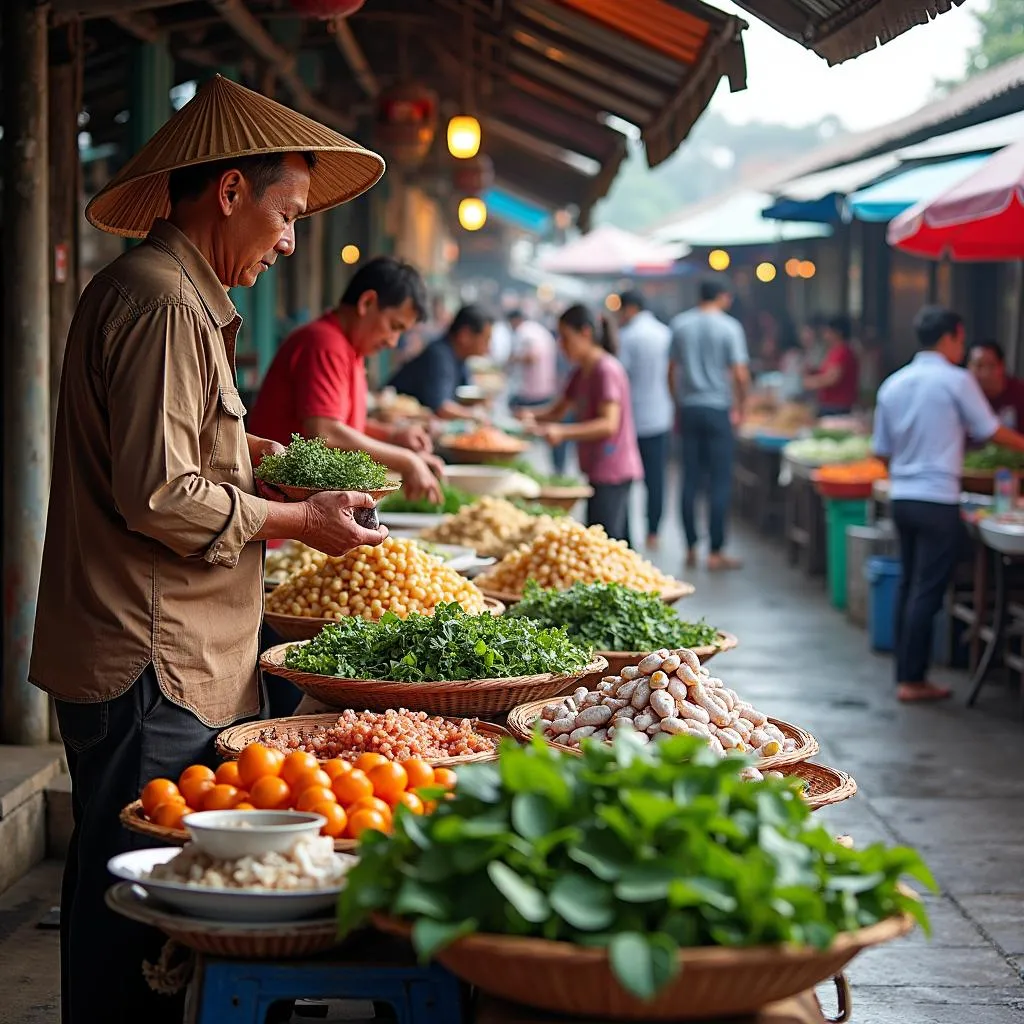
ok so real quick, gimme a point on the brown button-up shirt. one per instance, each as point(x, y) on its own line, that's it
point(152, 506)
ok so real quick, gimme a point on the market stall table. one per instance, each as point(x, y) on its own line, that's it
point(804, 517)
point(756, 475)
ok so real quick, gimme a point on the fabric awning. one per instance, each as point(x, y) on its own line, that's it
point(733, 220)
point(979, 138)
point(516, 211)
point(880, 203)
point(820, 197)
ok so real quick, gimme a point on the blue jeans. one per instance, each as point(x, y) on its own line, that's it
point(708, 446)
point(654, 456)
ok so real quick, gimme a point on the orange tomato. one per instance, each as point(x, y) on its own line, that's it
point(412, 801)
point(359, 821)
point(244, 806)
point(227, 774)
point(295, 764)
point(336, 817)
point(157, 792)
point(372, 803)
point(335, 767)
point(420, 773)
point(256, 761)
point(388, 780)
point(270, 793)
point(222, 798)
point(316, 777)
point(313, 795)
point(194, 790)
point(170, 814)
point(352, 786)
point(445, 777)
point(195, 771)
point(364, 762)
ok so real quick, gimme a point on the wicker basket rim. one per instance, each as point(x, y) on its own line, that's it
point(883, 931)
point(273, 658)
point(491, 604)
point(727, 642)
point(376, 493)
point(668, 594)
point(515, 447)
point(576, 491)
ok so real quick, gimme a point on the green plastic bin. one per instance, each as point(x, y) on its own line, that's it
point(838, 516)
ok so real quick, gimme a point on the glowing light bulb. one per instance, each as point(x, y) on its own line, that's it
point(463, 136)
point(472, 213)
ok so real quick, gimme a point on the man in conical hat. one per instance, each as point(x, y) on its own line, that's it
point(151, 594)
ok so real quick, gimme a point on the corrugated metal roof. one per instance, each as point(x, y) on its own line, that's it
point(841, 29)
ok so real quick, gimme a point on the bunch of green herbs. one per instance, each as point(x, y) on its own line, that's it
point(451, 644)
point(993, 456)
point(612, 617)
point(311, 462)
point(453, 500)
point(640, 850)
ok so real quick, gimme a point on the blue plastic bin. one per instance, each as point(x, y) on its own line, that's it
point(883, 576)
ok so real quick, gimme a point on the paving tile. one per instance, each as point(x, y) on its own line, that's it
point(1001, 918)
point(951, 927)
point(25, 771)
point(933, 966)
point(931, 821)
point(888, 1006)
point(992, 868)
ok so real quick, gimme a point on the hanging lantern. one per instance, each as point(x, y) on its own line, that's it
point(326, 8)
point(473, 176)
point(406, 123)
point(463, 137)
point(472, 213)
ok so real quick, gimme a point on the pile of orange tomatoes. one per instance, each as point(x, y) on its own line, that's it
point(352, 796)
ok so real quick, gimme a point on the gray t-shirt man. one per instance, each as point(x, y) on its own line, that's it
point(706, 344)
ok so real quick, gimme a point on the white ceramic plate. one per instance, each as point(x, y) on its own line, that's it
point(221, 904)
point(411, 520)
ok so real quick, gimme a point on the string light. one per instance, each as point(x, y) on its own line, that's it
point(765, 272)
point(719, 259)
point(350, 254)
point(463, 137)
point(472, 213)
point(793, 266)
point(807, 269)
point(613, 303)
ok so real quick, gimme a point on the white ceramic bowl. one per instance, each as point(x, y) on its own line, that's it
point(221, 904)
point(480, 480)
point(232, 834)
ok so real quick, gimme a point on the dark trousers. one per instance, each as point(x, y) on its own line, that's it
point(113, 749)
point(708, 446)
point(609, 507)
point(282, 697)
point(654, 456)
point(930, 537)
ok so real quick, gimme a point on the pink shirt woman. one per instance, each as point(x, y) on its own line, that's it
point(599, 396)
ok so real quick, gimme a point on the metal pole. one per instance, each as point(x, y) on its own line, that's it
point(26, 474)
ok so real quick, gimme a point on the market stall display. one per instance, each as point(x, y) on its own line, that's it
point(568, 552)
point(492, 527)
point(850, 480)
point(453, 499)
point(389, 407)
point(555, 491)
point(451, 663)
point(589, 891)
point(825, 451)
point(483, 444)
point(980, 467)
point(396, 576)
point(291, 557)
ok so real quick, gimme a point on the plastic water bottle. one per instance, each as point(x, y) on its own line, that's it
point(1006, 489)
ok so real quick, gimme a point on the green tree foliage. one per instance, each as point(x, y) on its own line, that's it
point(1001, 27)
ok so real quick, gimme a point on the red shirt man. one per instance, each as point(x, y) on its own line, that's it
point(316, 385)
point(837, 380)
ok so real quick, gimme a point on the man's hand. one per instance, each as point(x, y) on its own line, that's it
point(736, 416)
point(330, 526)
point(419, 482)
point(260, 447)
point(413, 437)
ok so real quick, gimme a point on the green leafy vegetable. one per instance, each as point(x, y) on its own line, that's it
point(311, 462)
point(528, 470)
point(611, 617)
point(994, 456)
point(454, 499)
point(450, 644)
point(641, 850)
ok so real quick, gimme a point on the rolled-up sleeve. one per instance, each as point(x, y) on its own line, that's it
point(157, 376)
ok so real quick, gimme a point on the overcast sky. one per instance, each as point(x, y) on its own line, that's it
point(789, 84)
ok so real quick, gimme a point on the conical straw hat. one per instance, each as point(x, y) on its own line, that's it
point(225, 120)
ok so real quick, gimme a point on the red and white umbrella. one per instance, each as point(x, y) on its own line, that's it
point(980, 218)
point(608, 250)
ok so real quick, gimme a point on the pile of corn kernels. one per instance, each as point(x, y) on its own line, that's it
point(398, 735)
point(397, 576)
point(568, 552)
point(492, 527)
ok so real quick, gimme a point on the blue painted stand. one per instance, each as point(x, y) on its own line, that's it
point(240, 992)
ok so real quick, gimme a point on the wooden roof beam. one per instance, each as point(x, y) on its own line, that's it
point(354, 57)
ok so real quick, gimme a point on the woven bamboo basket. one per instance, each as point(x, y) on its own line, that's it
point(291, 493)
point(231, 741)
point(618, 660)
point(464, 698)
point(670, 594)
point(304, 627)
point(134, 819)
point(711, 982)
point(521, 719)
point(825, 786)
point(278, 941)
point(564, 498)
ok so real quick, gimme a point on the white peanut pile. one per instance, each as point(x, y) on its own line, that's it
point(492, 527)
point(311, 863)
point(666, 694)
point(292, 556)
point(568, 552)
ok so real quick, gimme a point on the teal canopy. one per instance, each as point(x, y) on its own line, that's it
point(889, 198)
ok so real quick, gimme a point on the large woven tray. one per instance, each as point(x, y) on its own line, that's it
point(521, 719)
point(304, 627)
point(237, 941)
point(134, 819)
point(618, 660)
point(469, 698)
point(711, 982)
point(232, 740)
point(670, 594)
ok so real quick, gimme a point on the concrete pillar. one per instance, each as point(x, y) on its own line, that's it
point(26, 454)
point(152, 78)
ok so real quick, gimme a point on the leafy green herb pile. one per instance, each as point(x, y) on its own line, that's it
point(830, 434)
point(545, 480)
point(994, 456)
point(450, 644)
point(310, 462)
point(642, 850)
point(454, 499)
point(611, 617)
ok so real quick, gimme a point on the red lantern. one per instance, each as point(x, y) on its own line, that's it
point(326, 8)
point(406, 123)
point(473, 176)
